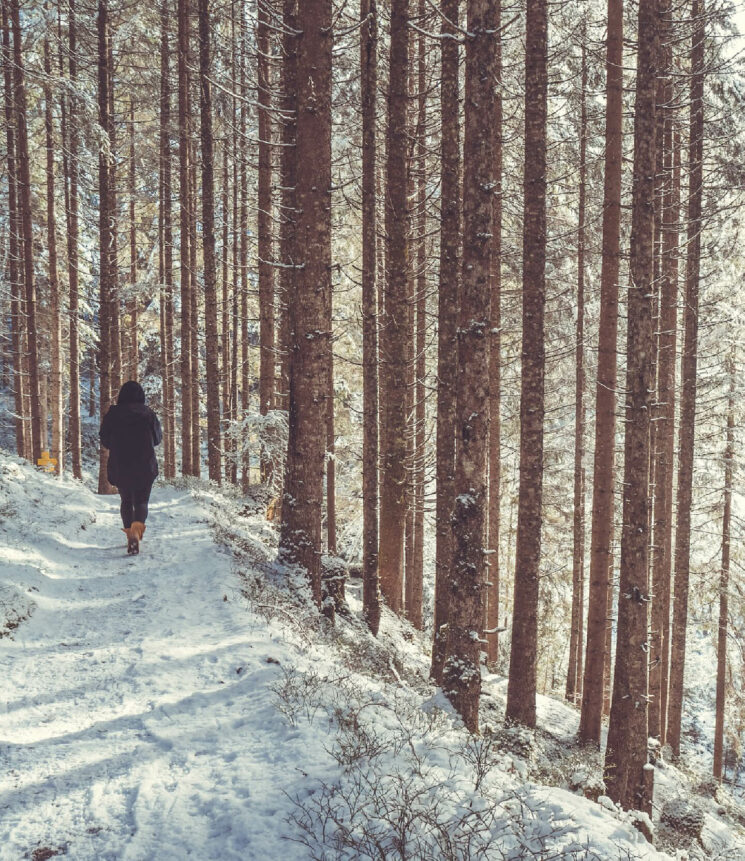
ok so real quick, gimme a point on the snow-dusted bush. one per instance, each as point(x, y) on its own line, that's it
point(683, 818)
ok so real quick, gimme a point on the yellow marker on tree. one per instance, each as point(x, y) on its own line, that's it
point(48, 463)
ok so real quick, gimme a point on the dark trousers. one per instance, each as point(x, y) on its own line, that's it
point(134, 504)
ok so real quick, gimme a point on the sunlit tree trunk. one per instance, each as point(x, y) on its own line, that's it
point(394, 319)
point(626, 750)
point(214, 457)
point(71, 137)
point(310, 326)
point(521, 689)
point(14, 242)
point(133, 358)
point(729, 458)
point(601, 540)
point(184, 221)
point(665, 417)
point(491, 616)
point(688, 380)
point(461, 674)
point(574, 671)
point(448, 290)
point(368, 85)
point(265, 226)
point(23, 200)
point(105, 237)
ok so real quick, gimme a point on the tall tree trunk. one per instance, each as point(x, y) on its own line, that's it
point(665, 417)
point(626, 751)
point(225, 307)
point(133, 359)
point(288, 179)
point(368, 85)
point(23, 186)
point(574, 672)
point(394, 318)
point(106, 240)
point(601, 539)
point(167, 215)
point(235, 281)
point(72, 139)
point(491, 617)
point(461, 675)
point(57, 451)
point(245, 458)
point(674, 222)
point(265, 227)
point(729, 458)
point(420, 368)
point(447, 324)
point(15, 240)
point(115, 345)
point(303, 495)
point(196, 379)
point(208, 247)
point(688, 380)
point(521, 689)
point(184, 221)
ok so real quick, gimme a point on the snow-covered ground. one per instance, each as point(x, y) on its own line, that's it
point(190, 703)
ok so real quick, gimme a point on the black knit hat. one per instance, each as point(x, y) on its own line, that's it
point(131, 393)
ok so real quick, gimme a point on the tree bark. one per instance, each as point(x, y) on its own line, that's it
point(574, 671)
point(420, 366)
point(626, 751)
point(448, 294)
point(601, 539)
point(688, 381)
point(310, 326)
point(264, 226)
point(184, 221)
point(133, 358)
point(57, 451)
point(394, 319)
point(208, 247)
point(461, 676)
point(23, 186)
point(72, 139)
point(106, 239)
point(368, 85)
point(665, 412)
point(169, 406)
point(521, 689)
point(288, 168)
point(491, 616)
point(14, 242)
point(729, 458)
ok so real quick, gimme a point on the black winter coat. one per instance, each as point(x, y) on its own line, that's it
point(130, 432)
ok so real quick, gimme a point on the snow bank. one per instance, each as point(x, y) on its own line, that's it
point(190, 702)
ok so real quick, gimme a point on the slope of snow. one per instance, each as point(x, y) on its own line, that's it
point(190, 703)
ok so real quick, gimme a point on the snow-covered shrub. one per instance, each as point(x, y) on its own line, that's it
point(681, 821)
point(15, 607)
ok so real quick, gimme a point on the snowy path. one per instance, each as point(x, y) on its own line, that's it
point(136, 721)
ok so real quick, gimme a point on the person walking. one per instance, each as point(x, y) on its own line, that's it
point(130, 431)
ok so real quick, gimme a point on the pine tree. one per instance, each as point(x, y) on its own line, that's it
point(310, 326)
point(597, 653)
point(689, 364)
point(393, 365)
point(448, 291)
point(626, 751)
point(461, 675)
point(369, 81)
point(521, 690)
point(208, 246)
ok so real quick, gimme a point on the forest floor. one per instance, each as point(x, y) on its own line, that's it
point(190, 703)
